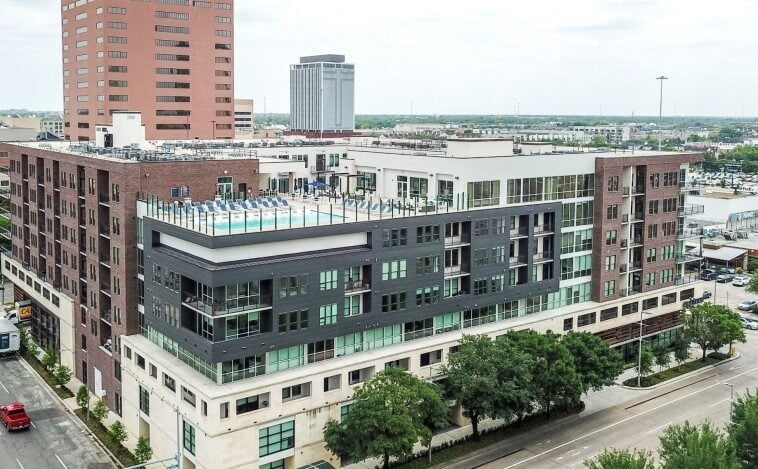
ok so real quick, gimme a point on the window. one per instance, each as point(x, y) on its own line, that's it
point(169, 382)
point(189, 437)
point(296, 392)
point(430, 358)
point(652, 207)
point(250, 403)
point(652, 231)
point(650, 255)
point(630, 308)
point(482, 227)
point(144, 400)
point(359, 376)
point(650, 303)
point(276, 438)
point(609, 313)
point(327, 314)
point(613, 184)
point(427, 295)
point(686, 294)
point(610, 237)
point(427, 265)
point(293, 320)
point(401, 363)
point(188, 396)
point(328, 280)
point(140, 360)
point(394, 269)
point(483, 193)
point(153, 371)
point(480, 286)
point(609, 287)
point(586, 319)
point(427, 234)
point(223, 410)
point(612, 212)
point(293, 285)
point(668, 298)
point(394, 237)
point(393, 302)
point(610, 262)
point(568, 324)
point(332, 382)
point(650, 279)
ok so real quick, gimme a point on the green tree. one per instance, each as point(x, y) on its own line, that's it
point(752, 265)
point(82, 397)
point(26, 344)
point(142, 452)
point(662, 357)
point(62, 375)
point(681, 349)
point(514, 376)
point(99, 412)
point(554, 376)
point(472, 379)
point(50, 359)
point(621, 459)
point(744, 429)
point(117, 433)
point(390, 414)
point(597, 364)
point(752, 284)
point(646, 363)
point(712, 326)
point(691, 447)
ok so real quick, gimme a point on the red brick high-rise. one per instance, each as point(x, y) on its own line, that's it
point(171, 60)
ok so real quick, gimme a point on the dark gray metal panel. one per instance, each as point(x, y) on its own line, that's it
point(337, 259)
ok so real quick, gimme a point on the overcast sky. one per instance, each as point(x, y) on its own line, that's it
point(478, 57)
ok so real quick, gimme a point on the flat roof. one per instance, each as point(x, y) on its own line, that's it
point(336, 58)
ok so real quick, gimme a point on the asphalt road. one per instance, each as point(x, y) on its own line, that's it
point(636, 422)
point(56, 440)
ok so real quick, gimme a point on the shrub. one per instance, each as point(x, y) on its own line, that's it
point(99, 412)
point(117, 433)
point(82, 397)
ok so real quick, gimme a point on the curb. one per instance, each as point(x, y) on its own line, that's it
point(681, 377)
point(78, 421)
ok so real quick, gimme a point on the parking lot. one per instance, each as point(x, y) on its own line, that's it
point(728, 294)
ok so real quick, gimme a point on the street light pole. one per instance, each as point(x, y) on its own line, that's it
point(660, 111)
point(639, 354)
point(731, 402)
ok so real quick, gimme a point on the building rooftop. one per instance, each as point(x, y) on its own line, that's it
point(335, 58)
point(273, 213)
point(176, 150)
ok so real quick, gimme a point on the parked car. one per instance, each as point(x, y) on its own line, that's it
point(707, 294)
point(707, 274)
point(14, 416)
point(749, 324)
point(748, 305)
point(739, 281)
point(724, 278)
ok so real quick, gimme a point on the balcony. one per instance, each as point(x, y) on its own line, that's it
point(520, 232)
point(517, 261)
point(359, 286)
point(637, 217)
point(686, 257)
point(105, 315)
point(542, 257)
point(624, 243)
point(632, 266)
point(545, 229)
point(638, 189)
point(635, 241)
point(459, 240)
point(626, 191)
point(105, 231)
point(630, 291)
point(690, 209)
point(456, 271)
point(104, 198)
point(217, 308)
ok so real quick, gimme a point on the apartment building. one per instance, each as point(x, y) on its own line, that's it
point(611, 133)
point(172, 60)
point(74, 236)
point(244, 119)
point(322, 96)
point(260, 317)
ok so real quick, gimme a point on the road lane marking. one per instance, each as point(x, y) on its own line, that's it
point(718, 402)
point(19, 464)
point(658, 428)
point(585, 459)
point(614, 424)
point(60, 461)
point(33, 424)
point(6, 389)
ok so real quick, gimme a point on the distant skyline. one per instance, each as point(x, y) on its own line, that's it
point(542, 57)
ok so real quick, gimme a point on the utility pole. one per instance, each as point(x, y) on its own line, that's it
point(660, 112)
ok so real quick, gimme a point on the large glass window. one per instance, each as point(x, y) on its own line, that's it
point(293, 320)
point(276, 438)
point(483, 193)
point(327, 314)
point(328, 280)
point(144, 400)
point(293, 285)
point(243, 295)
point(394, 269)
point(189, 437)
point(242, 325)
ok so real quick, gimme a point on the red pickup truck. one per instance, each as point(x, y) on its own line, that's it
point(14, 416)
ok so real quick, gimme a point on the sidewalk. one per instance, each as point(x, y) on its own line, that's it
point(594, 401)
